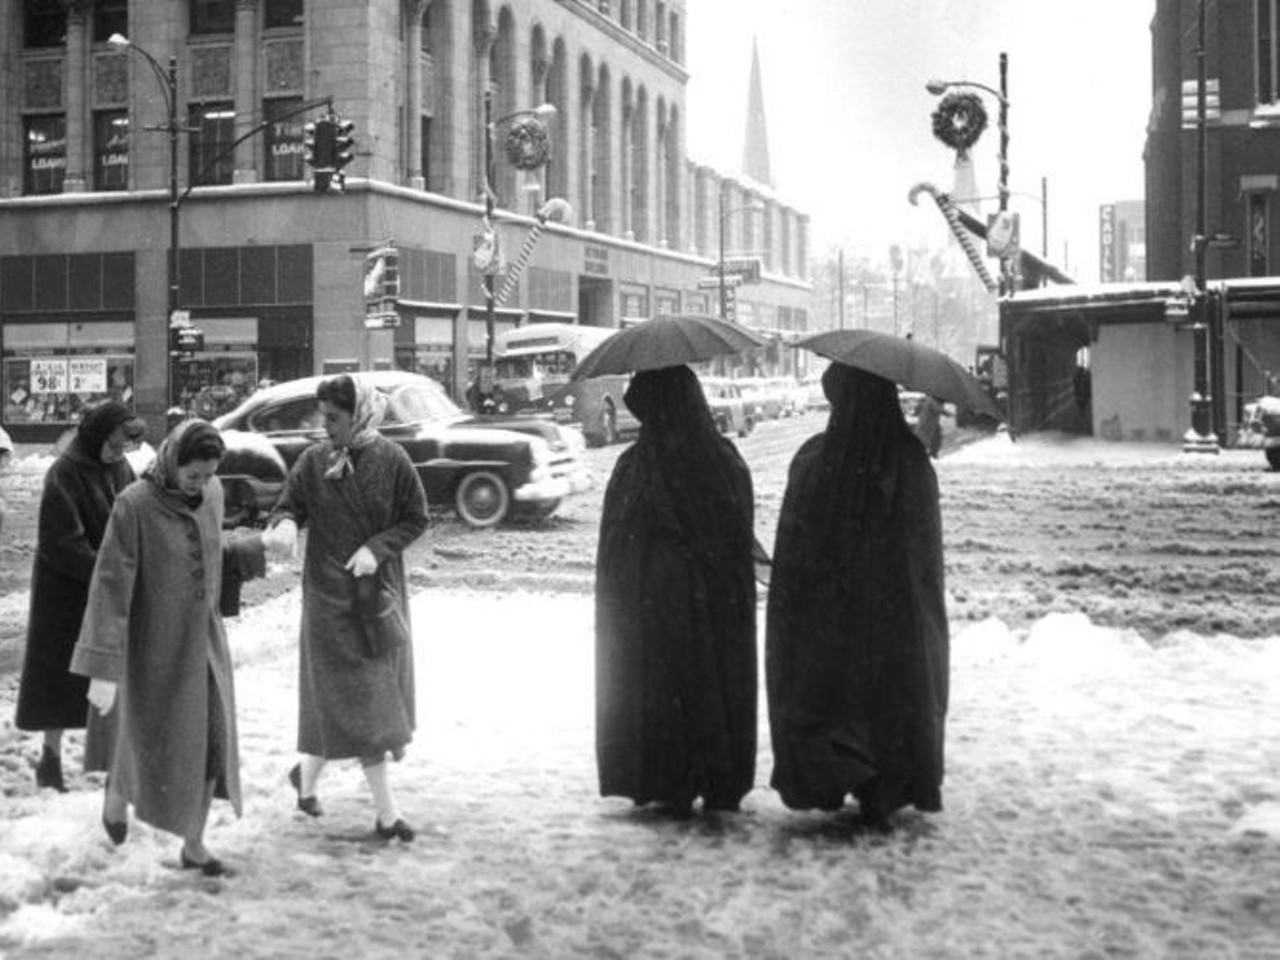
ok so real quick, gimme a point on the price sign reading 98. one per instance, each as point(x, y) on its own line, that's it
point(48, 376)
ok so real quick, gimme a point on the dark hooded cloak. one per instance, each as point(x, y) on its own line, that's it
point(857, 643)
point(79, 490)
point(675, 607)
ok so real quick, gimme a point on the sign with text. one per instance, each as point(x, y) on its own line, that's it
point(48, 375)
point(748, 268)
point(713, 282)
point(595, 260)
point(87, 374)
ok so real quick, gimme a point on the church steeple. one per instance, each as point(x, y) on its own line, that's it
point(755, 147)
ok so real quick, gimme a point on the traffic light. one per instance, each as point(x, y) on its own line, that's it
point(318, 151)
point(343, 146)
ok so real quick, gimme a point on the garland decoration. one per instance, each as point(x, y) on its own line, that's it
point(959, 121)
point(527, 146)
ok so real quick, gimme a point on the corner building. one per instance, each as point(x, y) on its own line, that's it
point(271, 272)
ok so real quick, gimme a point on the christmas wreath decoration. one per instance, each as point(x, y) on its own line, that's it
point(528, 147)
point(959, 120)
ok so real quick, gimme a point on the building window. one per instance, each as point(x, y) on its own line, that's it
point(642, 19)
point(284, 13)
point(111, 150)
point(283, 140)
point(44, 23)
point(624, 14)
point(213, 130)
point(45, 162)
point(1259, 235)
point(213, 16)
point(110, 16)
point(424, 148)
point(1266, 31)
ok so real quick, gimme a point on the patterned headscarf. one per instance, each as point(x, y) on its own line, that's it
point(371, 407)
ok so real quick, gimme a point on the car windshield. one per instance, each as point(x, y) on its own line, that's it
point(413, 402)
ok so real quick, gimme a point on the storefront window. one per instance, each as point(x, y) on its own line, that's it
point(111, 150)
point(45, 162)
point(214, 382)
point(634, 303)
point(283, 140)
point(48, 380)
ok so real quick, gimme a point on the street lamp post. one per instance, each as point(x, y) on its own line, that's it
point(1200, 438)
point(490, 199)
point(723, 215)
point(939, 87)
point(168, 80)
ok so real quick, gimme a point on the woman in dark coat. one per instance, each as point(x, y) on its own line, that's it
point(362, 503)
point(856, 651)
point(675, 608)
point(79, 489)
point(154, 644)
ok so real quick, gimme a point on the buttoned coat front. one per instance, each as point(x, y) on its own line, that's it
point(152, 625)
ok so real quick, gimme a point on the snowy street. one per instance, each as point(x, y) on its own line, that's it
point(1111, 792)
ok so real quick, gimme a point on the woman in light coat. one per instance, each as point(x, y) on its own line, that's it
point(154, 646)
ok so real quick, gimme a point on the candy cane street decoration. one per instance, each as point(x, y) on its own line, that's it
point(947, 206)
point(557, 211)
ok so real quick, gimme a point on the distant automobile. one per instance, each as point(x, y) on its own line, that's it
point(1260, 428)
point(730, 411)
point(487, 469)
point(765, 394)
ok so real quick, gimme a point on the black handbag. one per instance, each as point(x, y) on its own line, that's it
point(379, 618)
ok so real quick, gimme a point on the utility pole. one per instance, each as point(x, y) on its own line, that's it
point(841, 286)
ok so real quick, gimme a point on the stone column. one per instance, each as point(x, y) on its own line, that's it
point(246, 156)
point(415, 11)
point(586, 155)
point(77, 177)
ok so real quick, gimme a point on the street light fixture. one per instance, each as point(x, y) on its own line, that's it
point(168, 80)
point(541, 112)
point(724, 214)
point(938, 88)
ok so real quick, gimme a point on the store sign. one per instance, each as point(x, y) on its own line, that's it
point(48, 375)
point(87, 375)
point(381, 288)
point(1107, 242)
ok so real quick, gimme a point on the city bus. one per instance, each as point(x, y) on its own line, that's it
point(532, 367)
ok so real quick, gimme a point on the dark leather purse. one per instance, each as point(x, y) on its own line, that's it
point(382, 624)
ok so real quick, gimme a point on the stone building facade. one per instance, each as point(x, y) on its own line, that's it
point(272, 272)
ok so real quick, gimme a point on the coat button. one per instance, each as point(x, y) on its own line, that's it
point(197, 573)
point(200, 594)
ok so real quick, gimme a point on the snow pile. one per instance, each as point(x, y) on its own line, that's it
point(1106, 796)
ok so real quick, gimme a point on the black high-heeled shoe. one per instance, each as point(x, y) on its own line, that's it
point(308, 805)
point(213, 867)
point(397, 831)
point(118, 832)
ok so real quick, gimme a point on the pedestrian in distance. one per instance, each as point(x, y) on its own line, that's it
point(676, 674)
point(155, 649)
point(362, 504)
point(856, 646)
point(79, 489)
point(6, 456)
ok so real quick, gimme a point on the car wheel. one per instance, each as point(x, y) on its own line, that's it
point(1273, 457)
point(482, 499)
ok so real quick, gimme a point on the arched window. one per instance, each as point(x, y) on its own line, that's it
point(602, 164)
point(640, 167)
point(558, 95)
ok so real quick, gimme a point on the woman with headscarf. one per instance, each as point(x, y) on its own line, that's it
point(79, 489)
point(675, 608)
point(856, 649)
point(362, 503)
point(154, 645)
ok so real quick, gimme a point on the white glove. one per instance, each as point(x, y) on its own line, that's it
point(281, 541)
point(102, 694)
point(363, 563)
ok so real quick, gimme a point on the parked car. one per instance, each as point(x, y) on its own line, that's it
point(1260, 428)
point(730, 411)
point(764, 394)
point(485, 468)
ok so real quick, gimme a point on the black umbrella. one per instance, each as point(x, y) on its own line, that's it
point(665, 342)
point(911, 364)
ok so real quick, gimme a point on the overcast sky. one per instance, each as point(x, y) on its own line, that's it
point(850, 120)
